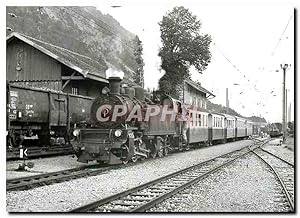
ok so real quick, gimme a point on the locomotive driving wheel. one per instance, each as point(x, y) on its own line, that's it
point(160, 152)
point(152, 148)
point(160, 147)
point(153, 154)
point(134, 159)
point(166, 151)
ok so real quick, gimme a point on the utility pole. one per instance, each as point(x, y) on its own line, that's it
point(286, 110)
point(284, 68)
point(289, 113)
point(227, 101)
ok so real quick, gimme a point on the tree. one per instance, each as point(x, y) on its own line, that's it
point(139, 71)
point(182, 47)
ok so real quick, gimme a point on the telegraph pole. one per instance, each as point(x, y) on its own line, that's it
point(227, 101)
point(286, 110)
point(289, 113)
point(284, 68)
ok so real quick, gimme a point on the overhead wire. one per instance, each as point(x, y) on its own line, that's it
point(282, 35)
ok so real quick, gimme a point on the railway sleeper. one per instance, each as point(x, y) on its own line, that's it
point(130, 203)
point(145, 194)
point(136, 198)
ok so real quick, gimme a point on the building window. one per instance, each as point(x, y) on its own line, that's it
point(74, 90)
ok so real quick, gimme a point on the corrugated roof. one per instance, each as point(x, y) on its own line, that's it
point(84, 65)
point(199, 88)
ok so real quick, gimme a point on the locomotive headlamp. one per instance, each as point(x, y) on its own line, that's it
point(105, 90)
point(118, 133)
point(76, 132)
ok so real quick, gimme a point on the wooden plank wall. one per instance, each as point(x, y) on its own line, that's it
point(25, 63)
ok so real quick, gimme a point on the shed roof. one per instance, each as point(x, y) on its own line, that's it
point(229, 116)
point(84, 65)
point(199, 88)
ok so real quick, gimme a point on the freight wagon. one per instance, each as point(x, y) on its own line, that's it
point(39, 117)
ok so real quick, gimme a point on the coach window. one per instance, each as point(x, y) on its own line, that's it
point(200, 119)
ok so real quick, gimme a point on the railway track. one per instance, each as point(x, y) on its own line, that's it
point(284, 172)
point(30, 182)
point(145, 196)
point(36, 152)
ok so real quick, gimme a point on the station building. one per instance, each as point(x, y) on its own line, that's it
point(194, 94)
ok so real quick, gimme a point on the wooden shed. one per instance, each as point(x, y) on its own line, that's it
point(35, 63)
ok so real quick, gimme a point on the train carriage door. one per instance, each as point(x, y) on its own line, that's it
point(210, 127)
point(235, 127)
point(58, 109)
point(225, 127)
point(246, 127)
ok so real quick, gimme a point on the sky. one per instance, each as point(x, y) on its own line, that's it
point(247, 49)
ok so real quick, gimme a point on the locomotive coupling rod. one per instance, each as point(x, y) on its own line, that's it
point(145, 150)
point(140, 154)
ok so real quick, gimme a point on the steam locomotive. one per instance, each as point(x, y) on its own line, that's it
point(127, 126)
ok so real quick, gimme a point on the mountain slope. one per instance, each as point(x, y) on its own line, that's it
point(84, 30)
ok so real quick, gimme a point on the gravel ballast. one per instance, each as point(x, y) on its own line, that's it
point(245, 186)
point(68, 195)
point(282, 152)
point(43, 165)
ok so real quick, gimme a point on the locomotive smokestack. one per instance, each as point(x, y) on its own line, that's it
point(114, 77)
point(114, 85)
